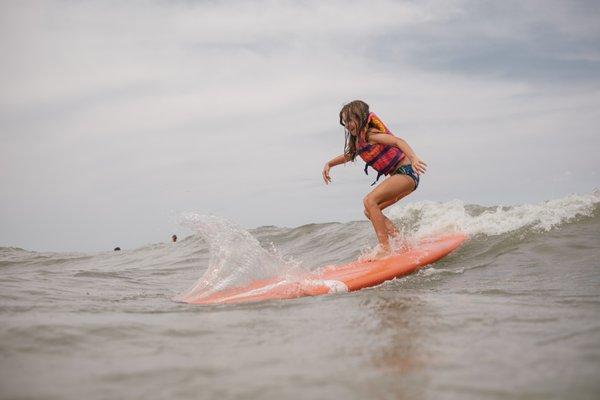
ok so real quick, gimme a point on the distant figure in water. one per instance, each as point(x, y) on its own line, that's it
point(174, 238)
point(117, 249)
point(368, 137)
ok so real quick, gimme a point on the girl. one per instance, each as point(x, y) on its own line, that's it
point(367, 136)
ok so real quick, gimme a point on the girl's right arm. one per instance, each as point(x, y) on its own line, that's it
point(341, 159)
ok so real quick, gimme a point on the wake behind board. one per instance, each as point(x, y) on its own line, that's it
point(341, 278)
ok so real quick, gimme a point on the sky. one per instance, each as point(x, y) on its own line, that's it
point(115, 117)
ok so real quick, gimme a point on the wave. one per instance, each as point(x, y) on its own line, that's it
point(237, 257)
point(228, 256)
point(428, 217)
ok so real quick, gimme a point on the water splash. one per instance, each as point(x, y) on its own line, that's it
point(236, 257)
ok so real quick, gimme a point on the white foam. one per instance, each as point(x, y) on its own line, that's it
point(436, 271)
point(453, 216)
point(335, 286)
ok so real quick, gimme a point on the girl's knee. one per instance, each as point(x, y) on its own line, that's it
point(368, 202)
point(367, 214)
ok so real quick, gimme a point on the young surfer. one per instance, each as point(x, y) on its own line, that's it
point(368, 137)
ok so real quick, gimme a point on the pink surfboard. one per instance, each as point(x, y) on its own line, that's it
point(341, 278)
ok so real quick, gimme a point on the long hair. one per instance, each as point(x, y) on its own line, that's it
point(358, 111)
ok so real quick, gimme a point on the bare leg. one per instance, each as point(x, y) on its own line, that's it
point(387, 193)
point(389, 225)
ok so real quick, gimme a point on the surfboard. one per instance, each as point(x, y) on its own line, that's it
point(339, 278)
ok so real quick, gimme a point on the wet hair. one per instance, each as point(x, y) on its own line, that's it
point(358, 111)
point(117, 249)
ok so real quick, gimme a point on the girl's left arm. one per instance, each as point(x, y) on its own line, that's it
point(383, 138)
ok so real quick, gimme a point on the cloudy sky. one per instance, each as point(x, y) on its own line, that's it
point(116, 116)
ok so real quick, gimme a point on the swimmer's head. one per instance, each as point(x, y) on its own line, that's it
point(354, 118)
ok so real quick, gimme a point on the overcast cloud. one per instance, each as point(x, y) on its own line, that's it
point(115, 116)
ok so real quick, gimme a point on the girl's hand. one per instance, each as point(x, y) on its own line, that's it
point(418, 165)
point(326, 176)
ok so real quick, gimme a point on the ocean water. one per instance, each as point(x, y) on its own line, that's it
point(512, 314)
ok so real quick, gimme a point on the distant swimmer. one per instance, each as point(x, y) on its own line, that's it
point(117, 249)
point(174, 238)
point(369, 138)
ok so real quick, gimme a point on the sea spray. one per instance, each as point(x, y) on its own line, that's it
point(236, 257)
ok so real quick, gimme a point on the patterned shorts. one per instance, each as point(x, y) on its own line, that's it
point(408, 170)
